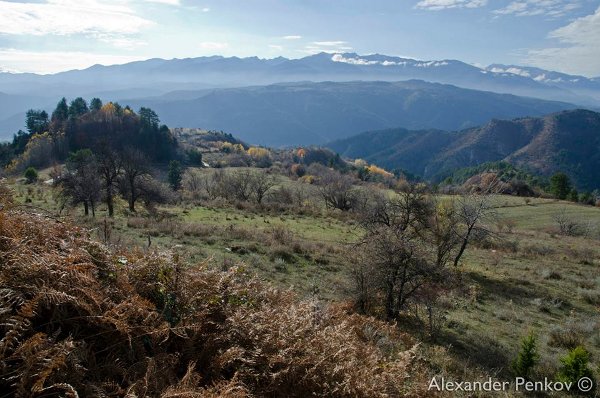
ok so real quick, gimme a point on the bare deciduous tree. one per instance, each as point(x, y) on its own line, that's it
point(136, 169)
point(238, 185)
point(473, 214)
point(411, 240)
point(80, 181)
point(193, 182)
point(260, 184)
point(109, 167)
point(337, 190)
point(566, 224)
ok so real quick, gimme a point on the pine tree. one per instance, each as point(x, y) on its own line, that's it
point(575, 366)
point(31, 175)
point(560, 186)
point(527, 358)
point(95, 104)
point(61, 113)
point(175, 175)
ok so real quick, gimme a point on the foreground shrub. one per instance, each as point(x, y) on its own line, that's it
point(527, 358)
point(78, 320)
point(575, 366)
point(31, 175)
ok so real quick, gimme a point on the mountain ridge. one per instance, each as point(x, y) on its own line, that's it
point(156, 80)
point(235, 71)
point(567, 141)
point(286, 114)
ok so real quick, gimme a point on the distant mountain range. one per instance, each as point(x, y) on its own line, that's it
point(189, 79)
point(316, 113)
point(567, 141)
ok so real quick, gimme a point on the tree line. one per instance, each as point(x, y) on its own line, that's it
point(91, 177)
point(79, 125)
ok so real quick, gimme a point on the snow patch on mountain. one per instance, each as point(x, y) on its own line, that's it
point(364, 61)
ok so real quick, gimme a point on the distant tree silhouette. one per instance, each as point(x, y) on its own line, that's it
point(120, 128)
point(36, 121)
point(61, 113)
point(78, 107)
point(573, 195)
point(560, 185)
point(95, 104)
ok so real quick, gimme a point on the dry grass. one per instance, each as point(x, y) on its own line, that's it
point(79, 320)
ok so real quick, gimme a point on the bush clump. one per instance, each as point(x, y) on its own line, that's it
point(31, 175)
point(575, 366)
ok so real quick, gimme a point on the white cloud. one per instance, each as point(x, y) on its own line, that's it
point(549, 8)
point(56, 61)
point(205, 9)
point(511, 70)
point(68, 17)
point(292, 37)
point(276, 47)
point(167, 2)
point(331, 47)
point(580, 42)
point(404, 62)
point(213, 45)
point(124, 42)
point(436, 5)
point(329, 43)
point(353, 61)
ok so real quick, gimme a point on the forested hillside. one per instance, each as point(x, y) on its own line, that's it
point(566, 141)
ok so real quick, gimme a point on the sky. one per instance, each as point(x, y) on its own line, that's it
point(48, 36)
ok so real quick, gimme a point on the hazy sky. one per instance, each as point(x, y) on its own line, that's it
point(53, 35)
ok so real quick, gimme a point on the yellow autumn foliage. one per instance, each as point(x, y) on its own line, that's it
point(378, 170)
point(257, 153)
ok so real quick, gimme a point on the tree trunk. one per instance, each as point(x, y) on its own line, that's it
point(389, 303)
point(86, 210)
point(132, 195)
point(109, 202)
point(463, 246)
point(93, 206)
point(430, 317)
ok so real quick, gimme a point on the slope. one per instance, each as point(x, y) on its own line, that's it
point(567, 141)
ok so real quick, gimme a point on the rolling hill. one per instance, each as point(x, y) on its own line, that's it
point(315, 113)
point(567, 141)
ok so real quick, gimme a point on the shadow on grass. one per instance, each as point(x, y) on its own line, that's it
point(479, 350)
point(510, 289)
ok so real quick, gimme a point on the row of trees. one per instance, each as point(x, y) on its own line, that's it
point(233, 185)
point(77, 125)
point(562, 188)
point(90, 177)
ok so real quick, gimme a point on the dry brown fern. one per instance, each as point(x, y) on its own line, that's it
point(79, 320)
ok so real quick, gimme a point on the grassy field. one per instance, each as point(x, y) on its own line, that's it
point(528, 279)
